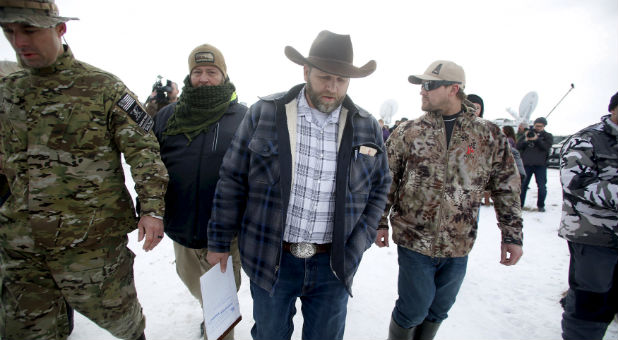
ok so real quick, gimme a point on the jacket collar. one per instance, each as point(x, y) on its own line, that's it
point(229, 110)
point(609, 126)
point(467, 112)
point(286, 97)
point(64, 62)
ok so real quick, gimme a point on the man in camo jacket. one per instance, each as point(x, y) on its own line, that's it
point(63, 230)
point(589, 176)
point(441, 164)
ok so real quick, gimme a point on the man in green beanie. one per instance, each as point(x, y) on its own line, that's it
point(194, 134)
point(63, 230)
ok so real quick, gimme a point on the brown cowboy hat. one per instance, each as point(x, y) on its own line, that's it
point(332, 53)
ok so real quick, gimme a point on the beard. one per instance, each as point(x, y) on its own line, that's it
point(439, 105)
point(428, 107)
point(318, 103)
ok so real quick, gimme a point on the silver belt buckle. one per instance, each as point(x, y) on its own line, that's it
point(303, 250)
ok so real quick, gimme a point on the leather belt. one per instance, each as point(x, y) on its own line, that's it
point(305, 250)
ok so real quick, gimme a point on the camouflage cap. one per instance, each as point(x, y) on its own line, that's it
point(38, 13)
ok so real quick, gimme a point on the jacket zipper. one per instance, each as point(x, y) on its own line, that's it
point(215, 140)
point(437, 232)
point(280, 254)
point(198, 181)
point(356, 150)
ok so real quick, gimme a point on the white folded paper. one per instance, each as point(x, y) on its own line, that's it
point(220, 301)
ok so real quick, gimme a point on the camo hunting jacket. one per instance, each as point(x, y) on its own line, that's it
point(437, 189)
point(62, 131)
point(589, 177)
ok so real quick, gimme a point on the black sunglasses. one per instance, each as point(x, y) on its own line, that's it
point(431, 85)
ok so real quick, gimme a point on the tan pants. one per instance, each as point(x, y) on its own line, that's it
point(191, 264)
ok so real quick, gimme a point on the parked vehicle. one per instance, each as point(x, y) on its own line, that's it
point(553, 161)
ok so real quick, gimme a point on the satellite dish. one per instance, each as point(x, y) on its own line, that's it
point(388, 110)
point(527, 105)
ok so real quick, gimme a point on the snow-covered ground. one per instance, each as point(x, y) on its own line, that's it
point(495, 302)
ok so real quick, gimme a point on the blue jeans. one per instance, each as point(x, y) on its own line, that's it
point(427, 287)
point(540, 175)
point(324, 301)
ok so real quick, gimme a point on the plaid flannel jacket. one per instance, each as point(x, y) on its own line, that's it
point(253, 192)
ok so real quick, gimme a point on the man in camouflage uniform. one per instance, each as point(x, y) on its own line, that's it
point(589, 176)
point(63, 231)
point(6, 67)
point(441, 164)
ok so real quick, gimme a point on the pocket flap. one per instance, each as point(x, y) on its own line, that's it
point(264, 147)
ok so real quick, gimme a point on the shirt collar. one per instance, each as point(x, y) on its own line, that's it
point(304, 110)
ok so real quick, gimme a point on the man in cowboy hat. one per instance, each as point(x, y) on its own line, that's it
point(441, 163)
point(63, 229)
point(303, 184)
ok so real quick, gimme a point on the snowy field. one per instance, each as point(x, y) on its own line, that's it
point(495, 302)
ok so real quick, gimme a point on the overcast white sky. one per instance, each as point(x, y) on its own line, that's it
point(507, 48)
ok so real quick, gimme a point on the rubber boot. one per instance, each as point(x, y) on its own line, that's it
point(396, 332)
point(427, 330)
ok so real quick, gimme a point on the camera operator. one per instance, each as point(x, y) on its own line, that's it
point(161, 96)
point(534, 147)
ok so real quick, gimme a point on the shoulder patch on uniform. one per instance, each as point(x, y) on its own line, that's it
point(129, 105)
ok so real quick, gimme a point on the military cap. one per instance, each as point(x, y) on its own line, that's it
point(38, 13)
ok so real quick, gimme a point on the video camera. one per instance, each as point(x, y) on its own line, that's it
point(162, 91)
point(531, 132)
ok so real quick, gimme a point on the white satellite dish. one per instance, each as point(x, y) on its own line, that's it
point(388, 110)
point(527, 105)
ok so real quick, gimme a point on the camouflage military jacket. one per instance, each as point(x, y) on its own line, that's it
point(62, 131)
point(437, 190)
point(589, 176)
